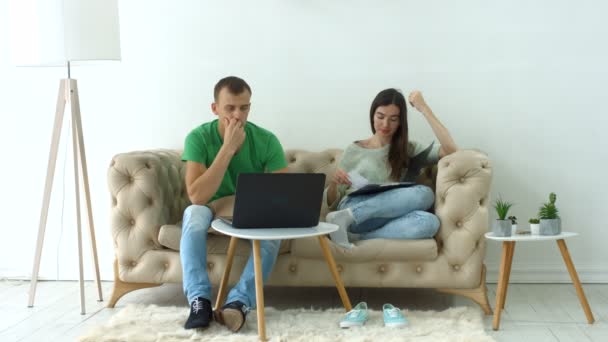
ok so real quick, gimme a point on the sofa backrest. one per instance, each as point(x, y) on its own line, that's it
point(164, 173)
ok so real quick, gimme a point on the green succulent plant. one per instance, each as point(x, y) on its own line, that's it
point(549, 211)
point(502, 208)
point(513, 219)
point(534, 221)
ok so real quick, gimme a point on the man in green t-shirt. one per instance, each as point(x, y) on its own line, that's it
point(215, 153)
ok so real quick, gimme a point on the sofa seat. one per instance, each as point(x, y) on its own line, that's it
point(170, 236)
point(369, 250)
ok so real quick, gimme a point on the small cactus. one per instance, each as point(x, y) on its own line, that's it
point(549, 211)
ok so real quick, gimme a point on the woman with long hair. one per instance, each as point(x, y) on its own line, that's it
point(385, 157)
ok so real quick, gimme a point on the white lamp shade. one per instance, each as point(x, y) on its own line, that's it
point(54, 32)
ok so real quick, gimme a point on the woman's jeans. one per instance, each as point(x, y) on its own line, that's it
point(393, 214)
point(193, 254)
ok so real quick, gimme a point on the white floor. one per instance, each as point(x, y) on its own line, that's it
point(534, 312)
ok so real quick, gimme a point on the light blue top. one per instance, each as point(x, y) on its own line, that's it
point(372, 163)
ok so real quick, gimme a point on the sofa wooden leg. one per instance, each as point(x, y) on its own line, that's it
point(479, 294)
point(122, 288)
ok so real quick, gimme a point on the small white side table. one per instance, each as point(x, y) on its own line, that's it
point(256, 235)
point(508, 249)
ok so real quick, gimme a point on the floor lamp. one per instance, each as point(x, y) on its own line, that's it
point(57, 33)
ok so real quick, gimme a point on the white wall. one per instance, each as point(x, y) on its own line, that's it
point(520, 80)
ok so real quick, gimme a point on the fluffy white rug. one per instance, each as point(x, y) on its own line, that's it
point(154, 323)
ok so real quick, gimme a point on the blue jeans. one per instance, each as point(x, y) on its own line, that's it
point(393, 214)
point(193, 254)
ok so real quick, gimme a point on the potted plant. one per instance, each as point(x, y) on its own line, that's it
point(550, 222)
point(502, 226)
point(513, 220)
point(534, 226)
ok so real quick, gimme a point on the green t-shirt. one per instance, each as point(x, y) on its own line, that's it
point(261, 152)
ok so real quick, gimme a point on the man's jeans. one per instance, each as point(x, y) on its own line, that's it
point(393, 214)
point(193, 254)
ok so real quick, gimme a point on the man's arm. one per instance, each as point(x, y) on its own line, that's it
point(202, 182)
point(283, 170)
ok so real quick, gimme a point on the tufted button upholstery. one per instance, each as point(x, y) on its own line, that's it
point(314, 162)
point(147, 191)
point(461, 204)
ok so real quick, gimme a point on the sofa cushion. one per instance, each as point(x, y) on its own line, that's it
point(170, 236)
point(369, 250)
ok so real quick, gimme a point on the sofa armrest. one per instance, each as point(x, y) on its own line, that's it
point(147, 191)
point(461, 204)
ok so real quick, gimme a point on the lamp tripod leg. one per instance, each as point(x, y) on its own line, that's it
point(48, 186)
point(78, 220)
point(85, 177)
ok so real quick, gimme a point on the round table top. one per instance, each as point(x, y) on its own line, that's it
point(529, 237)
point(322, 228)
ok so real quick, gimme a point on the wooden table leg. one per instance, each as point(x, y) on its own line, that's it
point(259, 289)
point(221, 294)
point(577, 283)
point(511, 251)
point(334, 272)
point(502, 284)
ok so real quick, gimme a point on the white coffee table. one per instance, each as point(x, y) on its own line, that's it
point(256, 235)
point(508, 249)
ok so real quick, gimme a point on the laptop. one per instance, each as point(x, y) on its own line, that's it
point(277, 200)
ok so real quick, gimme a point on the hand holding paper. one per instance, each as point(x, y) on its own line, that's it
point(357, 180)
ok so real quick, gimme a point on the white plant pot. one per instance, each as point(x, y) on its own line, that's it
point(535, 228)
point(513, 229)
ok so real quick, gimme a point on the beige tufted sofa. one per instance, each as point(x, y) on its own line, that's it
point(149, 197)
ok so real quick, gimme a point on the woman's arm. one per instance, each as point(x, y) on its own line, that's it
point(340, 177)
point(448, 145)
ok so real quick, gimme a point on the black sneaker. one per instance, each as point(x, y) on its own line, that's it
point(200, 314)
point(232, 315)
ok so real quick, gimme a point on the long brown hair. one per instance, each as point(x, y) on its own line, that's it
point(397, 154)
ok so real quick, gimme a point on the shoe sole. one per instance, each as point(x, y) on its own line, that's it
point(345, 325)
point(395, 325)
point(230, 318)
point(200, 327)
